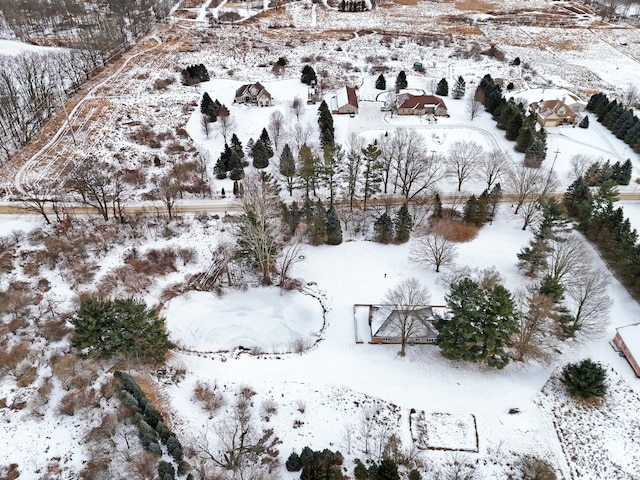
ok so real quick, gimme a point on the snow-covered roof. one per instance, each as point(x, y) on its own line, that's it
point(542, 94)
point(344, 96)
point(384, 321)
point(630, 335)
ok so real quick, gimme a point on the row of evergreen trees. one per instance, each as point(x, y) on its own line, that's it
point(458, 90)
point(394, 230)
point(352, 6)
point(210, 108)
point(152, 430)
point(232, 159)
point(324, 465)
point(618, 173)
point(194, 74)
point(322, 225)
point(480, 210)
point(512, 118)
point(620, 120)
point(608, 229)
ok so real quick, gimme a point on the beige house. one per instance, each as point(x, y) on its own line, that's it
point(253, 94)
point(344, 101)
point(551, 113)
point(407, 104)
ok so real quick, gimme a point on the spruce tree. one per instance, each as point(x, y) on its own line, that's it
point(526, 135)
point(471, 211)
point(388, 470)
point(266, 140)
point(495, 195)
point(372, 172)
point(442, 88)
point(318, 225)
point(403, 224)
point(535, 154)
point(513, 126)
point(308, 75)
point(459, 88)
point(334, 228)
point(401, 81)
point(437, 206)
point(383, 229)
point(586, 379)
point(125, 327)
point(288, 167)
point(325, 123)
point(381, 82)
point(236, 146)
point(293, 463)
point(481, 324)
point(584, 123)
point(261, 154)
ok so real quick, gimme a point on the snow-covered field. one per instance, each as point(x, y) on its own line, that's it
point(339, 394)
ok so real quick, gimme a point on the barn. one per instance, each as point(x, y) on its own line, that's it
point(627, 341)
point(344, 101)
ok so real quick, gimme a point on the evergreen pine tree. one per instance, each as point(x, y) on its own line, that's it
point(308, 75)
point(401, 81)
point(525, 138)
point(236, 146)
point(505, 114)
point(318, 225)
point(261, 154)
point(334, 228)
point(459, 88)
point(403, 224)
point(383, 229)
point(293, 463)
point(371, 173)
point(266, 140)
point(471, 211)
point(325, 123)
point(514, 125)
point(481, 324)
point(495, 195)
point(381, 82)
point(534, 155)
point(360, 472)
point(442, 88)
point(586, 379)
point(120, 327)
point(288, 167)
point(307, 170)
point(584, 123)
point(437, 206)
point(388, 470)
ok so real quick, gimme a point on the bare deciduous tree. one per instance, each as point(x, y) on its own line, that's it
point(259, 229)
point(580, 164)
point(474, 107)
point(276, 128)
point(406, 302)
point(205, 125)
point(37, 196)
point(589, 304)
point(297, 107)
point(457, 467)
point(168, 190)
point(434, 249)
point(92, 182)
point(291, 254)
point(493, 165)
point(415, 169)
point(566, 258)
point(226, 123)
point(464, 160)
point(534, 317)
point(524, 183)
point(300, 135)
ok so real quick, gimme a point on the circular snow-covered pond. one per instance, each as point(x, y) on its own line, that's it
point(267, 318)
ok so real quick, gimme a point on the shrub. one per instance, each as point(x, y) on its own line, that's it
point(458, 231)
point(208, 396)
point(306, 456)
point(166, 470)
point(586, 379)
point(293, 463)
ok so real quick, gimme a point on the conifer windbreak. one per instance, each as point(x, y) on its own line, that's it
point(126, 327)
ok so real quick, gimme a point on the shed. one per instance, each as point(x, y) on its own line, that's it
point(627, 341)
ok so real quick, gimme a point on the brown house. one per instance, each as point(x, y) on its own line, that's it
point(407, 104)
point(551, 113)
point(344, 101)
point(253, 94)
point(627, 342)
point(384, 320)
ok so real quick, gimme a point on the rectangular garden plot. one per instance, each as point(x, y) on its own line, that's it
point(444, 431)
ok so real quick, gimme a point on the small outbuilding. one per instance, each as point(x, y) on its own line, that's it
point(344, 101)
point(627, 342)
point(407, 104)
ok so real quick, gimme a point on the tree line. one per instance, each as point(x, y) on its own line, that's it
point(618, 118)
point(32, 84)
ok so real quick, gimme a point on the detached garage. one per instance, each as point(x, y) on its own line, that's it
point(627, 341)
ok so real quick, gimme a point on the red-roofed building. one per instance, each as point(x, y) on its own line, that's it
point(407, 104)
point(627, 341)
point(344, 101)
